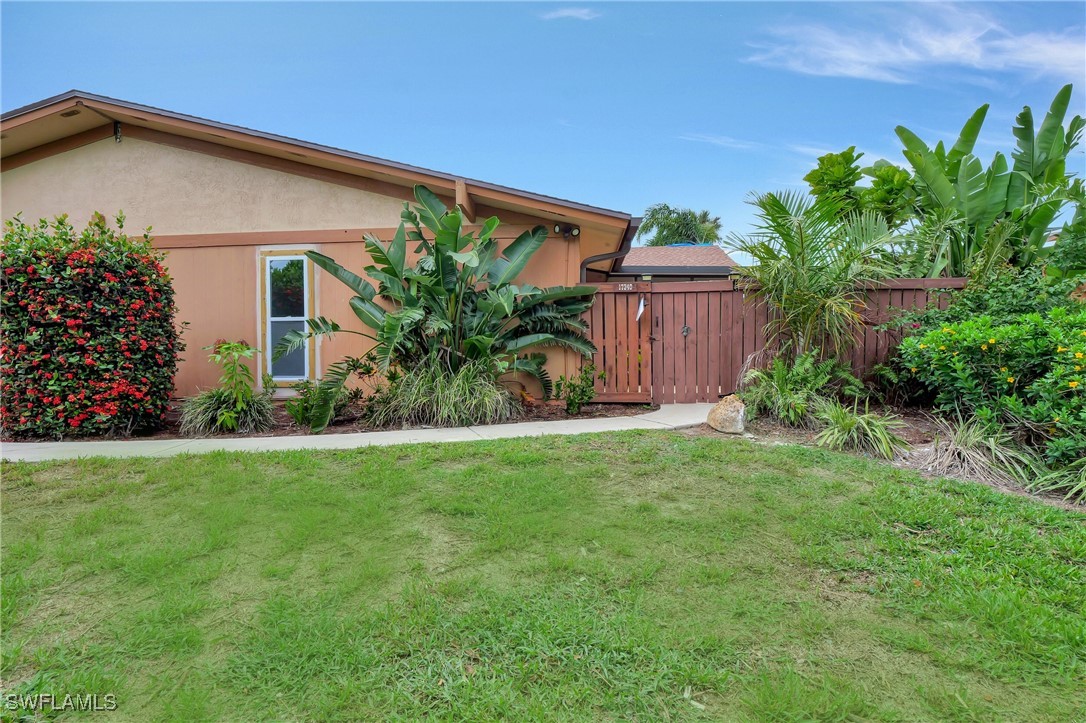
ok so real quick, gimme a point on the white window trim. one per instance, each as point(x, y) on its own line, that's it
point(266, 320)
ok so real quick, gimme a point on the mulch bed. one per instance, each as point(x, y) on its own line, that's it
point(285, 426)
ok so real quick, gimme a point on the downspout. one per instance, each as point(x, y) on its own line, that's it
point(623, 248)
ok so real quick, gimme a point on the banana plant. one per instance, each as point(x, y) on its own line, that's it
point(1007, 209)
point(455, 304)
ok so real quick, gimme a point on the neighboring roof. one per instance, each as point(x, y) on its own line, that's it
point(677, 260)
point(52, 119)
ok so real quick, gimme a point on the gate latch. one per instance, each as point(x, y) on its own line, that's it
point(686, 330)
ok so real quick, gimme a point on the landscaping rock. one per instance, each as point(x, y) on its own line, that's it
point(729, 415)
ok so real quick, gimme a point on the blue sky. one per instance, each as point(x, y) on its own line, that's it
point(615, 104)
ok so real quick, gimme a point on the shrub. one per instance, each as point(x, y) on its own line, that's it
point(1031, 372)
point(309, 405)
point(578, 390)
point(457, 304)
point(234, 406)
point(431, 396)
point(87, 340)
point(791, 391)
point(976, 449)
point(846, 428)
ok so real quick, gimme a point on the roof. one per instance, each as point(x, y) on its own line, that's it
point(52, 120)
point(678, 260)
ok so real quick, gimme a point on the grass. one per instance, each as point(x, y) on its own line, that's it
point(640, 575)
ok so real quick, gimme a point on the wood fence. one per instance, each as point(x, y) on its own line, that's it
point(688, 341)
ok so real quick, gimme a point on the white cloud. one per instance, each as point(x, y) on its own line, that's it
point(906, 44)
point(571, 13)
point(722, 141)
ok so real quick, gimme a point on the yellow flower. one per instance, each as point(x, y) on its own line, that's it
point(1072, 384)
point(1010, 379)
point(1078, 355)
point(923, 346)
point(1003, 369)
point(984, 347)
point(991, 341)
point(942, 348)
point(946, 329)
point(1083, 334)
point(1056, 420)
point(914, 369)
point(1078, 367)
point(1060, 348)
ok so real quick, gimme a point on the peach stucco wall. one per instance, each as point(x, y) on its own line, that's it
point(217, 287)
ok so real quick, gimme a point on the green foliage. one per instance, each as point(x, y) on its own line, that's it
point(1070, 481)
point(1030, 369)
point(456, 305)
point(579, 390)
point(233, 406)
point(1004, 296)
point(792, 391)
point(846, 428)
point(811, 268)
point(891, 194)
point(1005, 210)
point(429, 395)
point(88, 341)
point(305, 407)
point(672, 225)
point(974, 448)
point(836, 175)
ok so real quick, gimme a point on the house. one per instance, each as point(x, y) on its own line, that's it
point(235, 210)
point(677, 262)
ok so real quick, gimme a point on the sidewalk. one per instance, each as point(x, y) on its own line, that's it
point(669, 416)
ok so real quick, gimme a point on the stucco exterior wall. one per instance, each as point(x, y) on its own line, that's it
point(182, 192)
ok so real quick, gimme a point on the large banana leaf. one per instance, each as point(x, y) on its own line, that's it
point(353, 281)
point(508, 266)
point(967, 139)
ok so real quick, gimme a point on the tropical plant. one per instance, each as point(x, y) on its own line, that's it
point(847, 428)
point(303, 406)
point(430, 395)
point(578, 390)
point(456, 305)
point(88, 341)
point(672, 225)
point(1070, 481)
point(234, 406)
point(975, 449)
point(1006, 209)
point(811, 268)
point(792, 391)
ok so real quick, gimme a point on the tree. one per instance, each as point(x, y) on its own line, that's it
point(812, 264)
point(672, 225)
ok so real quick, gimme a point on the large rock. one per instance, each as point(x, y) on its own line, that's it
point(728, 416)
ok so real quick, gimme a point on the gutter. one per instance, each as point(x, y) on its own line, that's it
point(623, 248)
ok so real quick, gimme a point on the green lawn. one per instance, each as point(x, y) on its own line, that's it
point(639, 575)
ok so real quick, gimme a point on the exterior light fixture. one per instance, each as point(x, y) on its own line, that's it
point(567, 230)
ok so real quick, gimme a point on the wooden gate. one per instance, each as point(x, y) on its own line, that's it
point(619, 326)
point(687, 341)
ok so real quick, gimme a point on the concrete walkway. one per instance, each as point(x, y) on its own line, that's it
point(670, 416)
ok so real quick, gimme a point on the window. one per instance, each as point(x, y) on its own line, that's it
point(287, 303)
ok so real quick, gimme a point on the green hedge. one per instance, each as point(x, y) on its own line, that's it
point(1030, 370)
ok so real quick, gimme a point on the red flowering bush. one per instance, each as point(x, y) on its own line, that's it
point(88, 344)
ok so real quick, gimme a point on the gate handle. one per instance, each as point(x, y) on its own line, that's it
point(686, 330)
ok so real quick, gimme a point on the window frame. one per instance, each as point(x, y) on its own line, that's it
point(309, 311)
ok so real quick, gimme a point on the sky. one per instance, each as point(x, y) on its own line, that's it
point(619, 105)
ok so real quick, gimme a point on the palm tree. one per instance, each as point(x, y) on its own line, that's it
point(811, 268)
point(678, 225)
